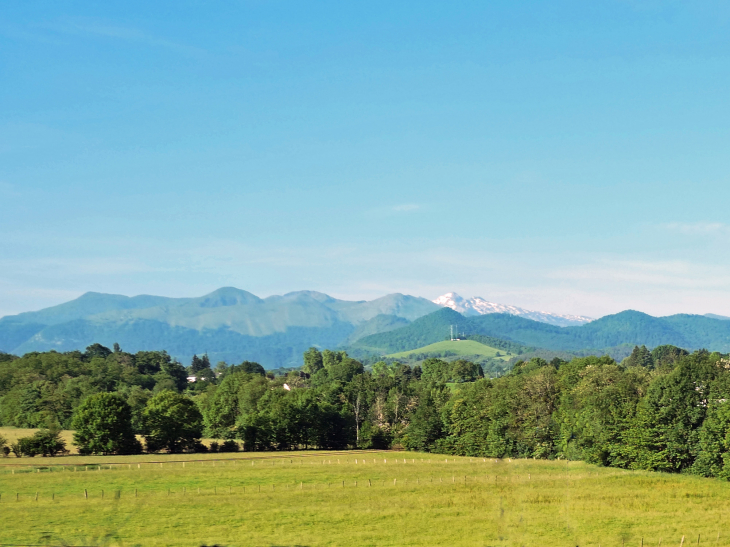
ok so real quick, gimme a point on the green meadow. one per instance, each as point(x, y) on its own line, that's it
point(455, 347)
point(351, 498)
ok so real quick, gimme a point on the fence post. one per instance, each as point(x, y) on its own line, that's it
point(86, 494)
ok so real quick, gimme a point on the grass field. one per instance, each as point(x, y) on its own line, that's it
point(456, 347)
point(352, 498)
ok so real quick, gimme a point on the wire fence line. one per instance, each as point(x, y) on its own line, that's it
point(249, 457)
point(292, 460)
point(454, 479)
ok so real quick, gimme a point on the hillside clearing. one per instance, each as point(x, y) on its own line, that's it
point(454, 347)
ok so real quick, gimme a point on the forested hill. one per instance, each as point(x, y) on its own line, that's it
point(625, 328)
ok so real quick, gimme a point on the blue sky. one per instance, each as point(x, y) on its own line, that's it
point(565, 156)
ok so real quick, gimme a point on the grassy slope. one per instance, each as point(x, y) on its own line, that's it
point(461, 347)
point(432, 502)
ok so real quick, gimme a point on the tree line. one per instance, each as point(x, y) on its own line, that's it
point(664, 409)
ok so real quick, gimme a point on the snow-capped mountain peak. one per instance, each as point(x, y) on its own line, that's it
point(479, 306)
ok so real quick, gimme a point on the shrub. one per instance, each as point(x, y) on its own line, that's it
point(46, 442)
point(229, 446)
point(213, 447)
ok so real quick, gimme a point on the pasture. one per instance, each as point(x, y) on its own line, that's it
point(454, 347)
point(351, 498)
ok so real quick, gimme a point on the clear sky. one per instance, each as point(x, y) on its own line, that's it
point(566, 156)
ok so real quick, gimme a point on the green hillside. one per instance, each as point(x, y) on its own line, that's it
point(433, 328)
point(379, 323)
point(453, 347)
point(429, 329)
point(613, 331)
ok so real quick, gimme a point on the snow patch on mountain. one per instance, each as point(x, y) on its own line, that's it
point(478, 306)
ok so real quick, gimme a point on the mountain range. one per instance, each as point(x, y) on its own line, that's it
point(231, 325)
point(479, 306)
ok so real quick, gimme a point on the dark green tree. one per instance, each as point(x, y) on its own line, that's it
point(103, 425)
point(436, 370)
point(667, 355)
point(312, 361)
point(172, 422)
point(97, 350)
point(426, 427)
point(251, 368)
point(465, 371)
point(223, 409)
point(640, 357)
point(665, 432)
point(199, 364)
